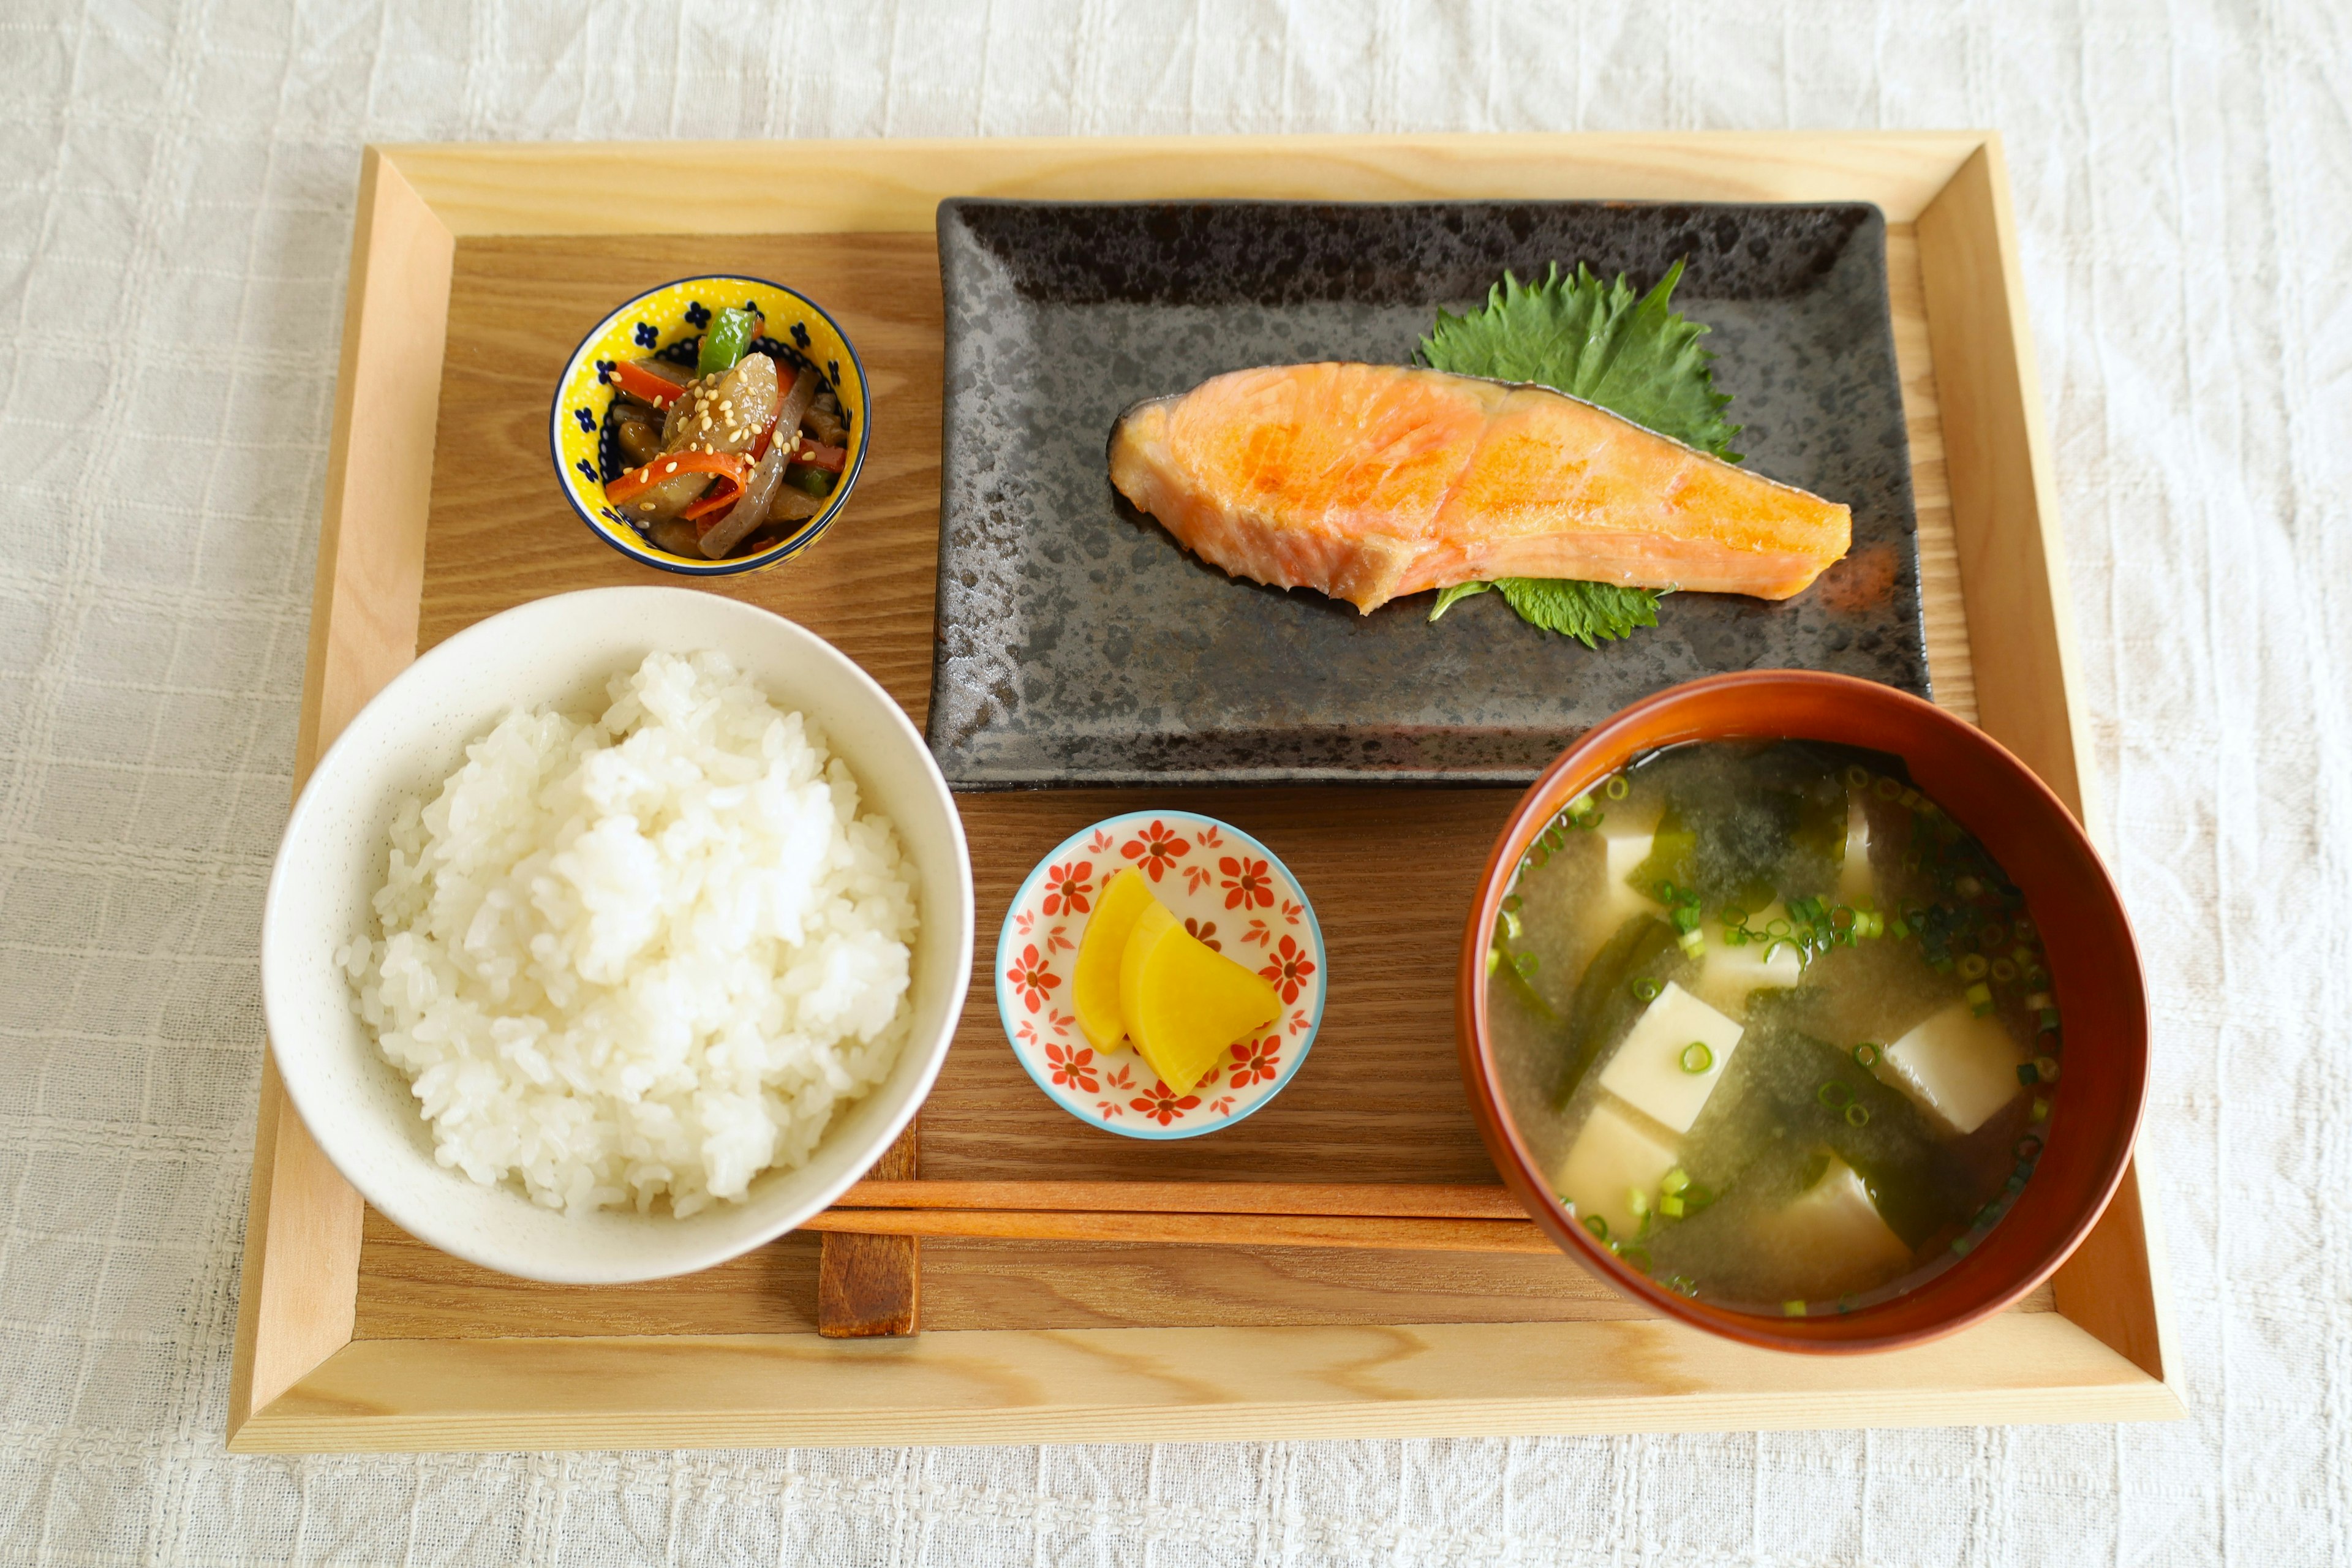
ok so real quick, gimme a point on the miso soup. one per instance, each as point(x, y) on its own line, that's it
point(1777, 1027)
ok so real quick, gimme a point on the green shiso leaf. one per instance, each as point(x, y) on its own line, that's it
point(1585, 611)
point(1633, 355)
point(1446, 597)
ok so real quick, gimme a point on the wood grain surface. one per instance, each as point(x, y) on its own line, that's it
point(1380, 1098)
point(870, 1282)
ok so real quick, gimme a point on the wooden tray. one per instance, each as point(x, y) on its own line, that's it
point(473, 271)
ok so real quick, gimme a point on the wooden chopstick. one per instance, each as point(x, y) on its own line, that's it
point(1191, 1228)
point(1367, 1199)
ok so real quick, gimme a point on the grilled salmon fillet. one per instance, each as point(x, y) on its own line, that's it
point(1369, 481)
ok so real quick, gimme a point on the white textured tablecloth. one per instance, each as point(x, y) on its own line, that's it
point(176, 185)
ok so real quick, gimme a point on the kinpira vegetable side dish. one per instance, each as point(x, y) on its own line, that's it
point(725, 449)
point(1778, 1028)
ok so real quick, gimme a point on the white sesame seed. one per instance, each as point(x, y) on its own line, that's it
point(670, 469)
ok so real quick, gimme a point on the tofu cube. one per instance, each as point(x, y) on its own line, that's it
point(1652, 1070)
point(1614, 1164)
point(1959, 1068)
point(1857, 884)
point(1832, 1238)
point(1729, 974)
point(1625, 841)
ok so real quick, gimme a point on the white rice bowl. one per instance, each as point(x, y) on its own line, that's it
point(635, 962)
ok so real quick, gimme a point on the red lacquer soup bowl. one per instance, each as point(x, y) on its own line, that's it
point(2092, 962)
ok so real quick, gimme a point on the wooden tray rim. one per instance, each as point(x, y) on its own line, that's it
point(301, 1383)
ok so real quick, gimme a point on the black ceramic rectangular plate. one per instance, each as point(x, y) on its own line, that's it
point(1078, 644)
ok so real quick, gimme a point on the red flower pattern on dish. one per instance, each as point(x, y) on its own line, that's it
point(1155, 850)
point(1073, 1067)
point(1248, 883)
point(1067, 886)
point(1289, 970)
point(1204, 933)
point(1255, 1061)
point(1032, 978)
point(1158, 1103)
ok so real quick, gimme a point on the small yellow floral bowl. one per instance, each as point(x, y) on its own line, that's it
point(666, 323)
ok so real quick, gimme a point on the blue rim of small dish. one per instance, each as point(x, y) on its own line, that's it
point(783, 551)
point(1161, 1134)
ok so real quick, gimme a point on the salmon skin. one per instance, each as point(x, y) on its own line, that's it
point(1370, 482)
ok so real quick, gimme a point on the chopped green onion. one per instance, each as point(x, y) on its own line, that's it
point(1525, 963)
point(1973, 967)
point(1511, 902)
point(2038, 1003)
point(2003, 971)
point(1636, 1258)
point(1913, 799)
point(1857, 1116)
point(1597, 1226)
point(2026, 1074)
point(1616, 788)
point(1693, 941)
point(1793, 1309)
point(1857, 776)
point(1494, 959)
point(1698, 1195)
point(1697, 1057)
point(1637, 1202)
point(1960, 1246)
point(2048, 1018)
point(1671, 1206)
point(1887, 789)
point(1867, 1053)
point(1980, 997)
point(1834, 1095)
point(1734, 917)
point(2022, 956)
point(1646, 989)
point(2048, 1068)
point(1993, 936)
point(1900, 930)
point(1967, 887)
point(2023, 928)
point(2027, 1147)
point(1673, 1180)
point(1511, 924)
point(2040, 1110)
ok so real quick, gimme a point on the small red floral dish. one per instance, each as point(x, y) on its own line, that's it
point(1232, 893)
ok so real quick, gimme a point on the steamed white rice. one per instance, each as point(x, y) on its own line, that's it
point(645, 957)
